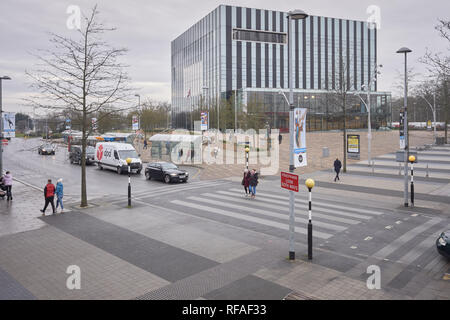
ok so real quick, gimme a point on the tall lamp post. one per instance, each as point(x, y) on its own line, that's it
point(433, 110)
point(405, 51)
point(292, 15)
point(1, 124)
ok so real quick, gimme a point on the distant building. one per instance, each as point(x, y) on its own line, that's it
point(241, 54)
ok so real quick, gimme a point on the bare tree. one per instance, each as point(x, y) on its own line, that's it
point(82, 75)
point(439, 65)
point(342, 88)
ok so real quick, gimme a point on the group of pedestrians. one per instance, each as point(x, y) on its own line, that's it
point(250, 181)
point(50, 191)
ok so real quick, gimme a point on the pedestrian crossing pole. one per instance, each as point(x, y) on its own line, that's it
point(247, 150)
point(412, 159)
point(129, 181)
point(310, 184)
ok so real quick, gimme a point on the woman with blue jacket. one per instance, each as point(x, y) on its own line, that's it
point(59, 194)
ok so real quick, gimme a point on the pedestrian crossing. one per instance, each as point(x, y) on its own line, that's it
point(270, 210)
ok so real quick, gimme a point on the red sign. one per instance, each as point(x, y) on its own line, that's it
point(289, 181)
point(100, 152)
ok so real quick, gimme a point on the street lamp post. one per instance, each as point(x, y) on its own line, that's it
point(1, 124)
point(405, 51)
point(129, 181)
point(292, 15)
point(433, 110)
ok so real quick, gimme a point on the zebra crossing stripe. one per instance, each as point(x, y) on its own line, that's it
point(397, 243)
point(271, 205)
point(264, 212)
point(171, 189)
point(231, 214)
point(317, 208)
point(320, 204)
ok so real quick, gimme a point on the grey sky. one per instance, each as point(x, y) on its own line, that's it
point(147, 27)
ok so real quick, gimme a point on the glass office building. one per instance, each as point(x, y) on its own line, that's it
point(241, 54)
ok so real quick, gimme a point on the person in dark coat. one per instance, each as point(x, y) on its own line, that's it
point(253, 182)
point(337, 168)
point(280, 138)
point(246, 181)
point(49, 194)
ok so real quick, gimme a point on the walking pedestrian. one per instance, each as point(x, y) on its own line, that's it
point(145, 143)
point(245, 181)
point(280, 138)
point(59, 195)
point(337, 168)
point(253, 182)
point(7, 181)
point(49, 194)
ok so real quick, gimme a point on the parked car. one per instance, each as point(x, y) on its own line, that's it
point(75, 155)
point(47, 148)
point(443, 244)
point(165, 171)
point(114, 155)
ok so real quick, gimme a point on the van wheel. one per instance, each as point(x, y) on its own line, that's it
point(139, 171)
point(119, 170)
point(167, 178)
point(71, 161)
point(100, 166)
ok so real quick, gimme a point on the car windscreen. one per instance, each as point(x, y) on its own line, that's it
point(168, 166)
point(124, 154)
point(47, 146)
point(90, 150)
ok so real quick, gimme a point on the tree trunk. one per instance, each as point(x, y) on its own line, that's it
point(83, 164)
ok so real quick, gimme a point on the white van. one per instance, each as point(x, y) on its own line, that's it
point(113, 155)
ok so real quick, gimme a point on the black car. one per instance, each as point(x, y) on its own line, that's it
point(165, 171)
point(47, 148)
point(443, 244)
point(75, 154)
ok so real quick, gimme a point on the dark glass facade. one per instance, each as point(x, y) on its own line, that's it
point(243, 51)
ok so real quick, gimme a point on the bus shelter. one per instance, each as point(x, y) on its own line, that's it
point(176, 148)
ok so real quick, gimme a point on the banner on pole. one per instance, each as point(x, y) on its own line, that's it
point(94, 124)
point(402, 130)
point(135, 123)
point(204, 121)
point(299, 137)
point(9, 124)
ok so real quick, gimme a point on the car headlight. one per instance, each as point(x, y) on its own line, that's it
point(173, 174)
point(43, 150)
point(442, 242)
point(187, 173)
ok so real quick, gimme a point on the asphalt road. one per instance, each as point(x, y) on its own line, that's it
point(22, 159)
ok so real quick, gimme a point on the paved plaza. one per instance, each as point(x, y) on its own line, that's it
point(206, 240)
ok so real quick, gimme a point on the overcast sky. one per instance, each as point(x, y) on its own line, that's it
point(147, 27)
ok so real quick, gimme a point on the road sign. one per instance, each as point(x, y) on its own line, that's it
point(289, 181)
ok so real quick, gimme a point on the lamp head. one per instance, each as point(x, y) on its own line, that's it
point(309, 183)
point(128, 160)
point(404, 50)
point(412, 159)
point(297, 14)
point(247, 149)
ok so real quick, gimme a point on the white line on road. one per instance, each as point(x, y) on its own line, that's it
point(277, 225)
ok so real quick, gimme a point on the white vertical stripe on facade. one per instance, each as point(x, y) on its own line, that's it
point(286, 53)
point(270, 65)
point(300, 54)
point(323, 58)
point(233, 50)
point(358, 55)
point(277, 21)
point(316, 51)
point(263, 65)
point(253, 44)
point(253, 15)
point(366, 53)
point(308, 53)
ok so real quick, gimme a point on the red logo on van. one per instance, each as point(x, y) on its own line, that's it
point(100, 152)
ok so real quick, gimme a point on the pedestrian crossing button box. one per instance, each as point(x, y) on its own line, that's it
point(399, 156)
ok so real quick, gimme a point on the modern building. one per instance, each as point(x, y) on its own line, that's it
point(240, 55)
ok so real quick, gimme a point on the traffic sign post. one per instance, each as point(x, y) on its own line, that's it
point(289, 181)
